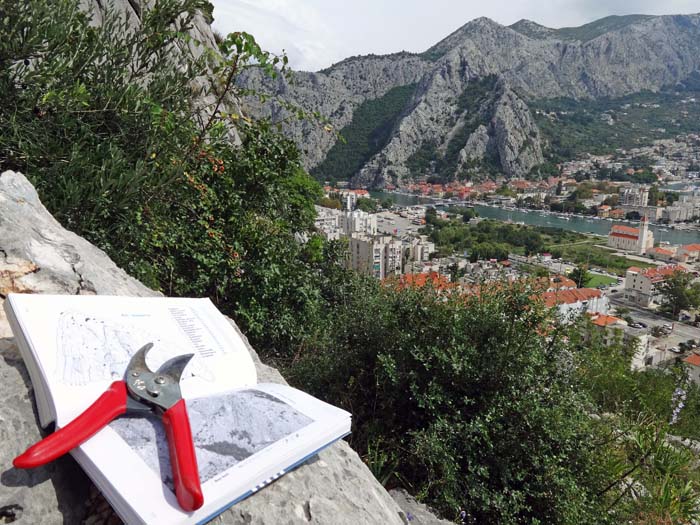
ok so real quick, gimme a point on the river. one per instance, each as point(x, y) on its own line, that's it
point(534, 218)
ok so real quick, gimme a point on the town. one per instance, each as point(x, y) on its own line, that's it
point(397, 244)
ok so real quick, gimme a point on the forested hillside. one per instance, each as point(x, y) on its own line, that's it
point(369, 131)
point(572, 127)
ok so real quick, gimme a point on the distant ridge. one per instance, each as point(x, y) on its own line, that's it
point(462, 108)
point(583, 33)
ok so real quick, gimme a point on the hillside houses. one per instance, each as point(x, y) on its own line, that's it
point(642, 285)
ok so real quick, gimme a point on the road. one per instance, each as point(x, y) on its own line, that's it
point(681, 331)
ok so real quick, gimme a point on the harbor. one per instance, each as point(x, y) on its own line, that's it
point(577, 223)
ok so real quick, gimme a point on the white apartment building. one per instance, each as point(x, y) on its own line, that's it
point(327, 222)
point(334, 223)
point(686, 208)
point(420, 248)
point(379, 256)
point(652, 213)
point(641, 285)
point(357, 221)
point(634, 195)
point(573, 303)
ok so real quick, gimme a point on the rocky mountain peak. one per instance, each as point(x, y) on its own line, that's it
point(532, 29)
point(610, 57)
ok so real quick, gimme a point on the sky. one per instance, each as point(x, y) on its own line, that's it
point(317, 33)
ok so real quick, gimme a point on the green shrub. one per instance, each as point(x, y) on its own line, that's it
point(465, 397)
point(105, 121)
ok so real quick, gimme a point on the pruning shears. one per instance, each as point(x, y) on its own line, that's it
point(141, 391)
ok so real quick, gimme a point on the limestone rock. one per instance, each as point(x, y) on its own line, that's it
point(416, 513)
point(516, 135)
point(476, 146)
point(38, 255)
point(506, 134)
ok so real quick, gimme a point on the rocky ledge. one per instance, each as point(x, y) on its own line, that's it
point(37, 255)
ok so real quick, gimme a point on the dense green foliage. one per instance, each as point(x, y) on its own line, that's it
point(638, 119)
point(586, 253)
point(679, 293)
point(580, 275)
point(457, 404)
point(492, 239)
point(369, 131)
point(474, 409)
point(103, 124)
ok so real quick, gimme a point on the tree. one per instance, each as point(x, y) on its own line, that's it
point(580, 275)
point(613, 200)
point(654, 195)
point(367, 205)
point(469, 214)
point(679, 292)
point(109, 133)
point(329, 202)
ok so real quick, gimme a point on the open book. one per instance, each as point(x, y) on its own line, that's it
point(245, 434)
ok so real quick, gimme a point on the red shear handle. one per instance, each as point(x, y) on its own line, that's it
point(182, 457)
point(108, 406)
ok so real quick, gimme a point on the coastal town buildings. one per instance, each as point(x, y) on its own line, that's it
point(357, 221)
point(333, 224)
point(634, 195)
point(642, 285)
point(629, 239)
point(379, 256)
point(572, 303)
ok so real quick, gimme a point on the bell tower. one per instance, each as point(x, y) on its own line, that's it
point(642, 240)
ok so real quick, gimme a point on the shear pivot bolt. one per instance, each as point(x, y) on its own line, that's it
point(159, 380)
point(153, 392)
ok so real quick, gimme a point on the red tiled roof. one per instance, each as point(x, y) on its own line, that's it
point(570, 296)
point(693, 359)
point(692, 247)
point(420, 280)
point(661, 251)
point(604, 320)
point(661, 272)
point(624, 236)
point(618, 228)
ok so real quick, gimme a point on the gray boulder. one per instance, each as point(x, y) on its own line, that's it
point(416, 513)
point(37, 255)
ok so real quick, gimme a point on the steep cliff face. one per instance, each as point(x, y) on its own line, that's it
point(468, 123)
point(610, 57)
point(335, 93)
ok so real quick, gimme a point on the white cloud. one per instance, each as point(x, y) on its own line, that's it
point(280, 25)
point(317, 33)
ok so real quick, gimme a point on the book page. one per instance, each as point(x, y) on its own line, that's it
point(226, 429)
point(83, 343)
point(244, 439)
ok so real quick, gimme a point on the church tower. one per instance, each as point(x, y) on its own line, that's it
point(643, 239)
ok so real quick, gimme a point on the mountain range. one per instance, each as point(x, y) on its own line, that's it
point(463, 107)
